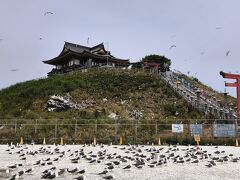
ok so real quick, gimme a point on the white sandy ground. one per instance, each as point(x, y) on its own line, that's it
point(190, 171)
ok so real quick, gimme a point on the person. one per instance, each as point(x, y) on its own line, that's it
point(203, 93)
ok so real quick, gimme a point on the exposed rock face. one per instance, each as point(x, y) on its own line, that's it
point(113, 116)
point(61, 103)
point(136, 114)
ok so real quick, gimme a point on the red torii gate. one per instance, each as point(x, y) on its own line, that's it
point(235, 84)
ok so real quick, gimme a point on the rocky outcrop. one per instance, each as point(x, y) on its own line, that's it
point(62, 103)
point(136, 114)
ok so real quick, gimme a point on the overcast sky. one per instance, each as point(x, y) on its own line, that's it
point(202, 30)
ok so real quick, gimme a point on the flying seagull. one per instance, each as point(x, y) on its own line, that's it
point(218, 28)
point(227, 53)
point(172, 46)
point(88, 41)
point(46, 13)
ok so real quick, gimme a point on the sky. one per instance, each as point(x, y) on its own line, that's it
point(203, 31)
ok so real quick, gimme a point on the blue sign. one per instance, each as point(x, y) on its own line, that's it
point(177, 128)
point(196, 129)
point(224, 130)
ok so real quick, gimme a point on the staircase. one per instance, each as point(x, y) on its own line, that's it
point(195, 98)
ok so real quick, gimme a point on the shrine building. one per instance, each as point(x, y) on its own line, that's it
point(75, 57)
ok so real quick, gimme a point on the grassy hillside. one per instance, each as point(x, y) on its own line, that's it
point(138, 89)
point(22, 108)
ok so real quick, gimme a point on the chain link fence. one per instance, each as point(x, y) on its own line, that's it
point(79, 131)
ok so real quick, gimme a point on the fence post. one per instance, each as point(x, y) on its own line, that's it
point(115, 131)
point(75, 131)
point(236, 128)
point(35, 126)
point(15, 126)
point(15, 130)
point(55, 133)
point(96, 127)
point(156, 128)
point(136, 130)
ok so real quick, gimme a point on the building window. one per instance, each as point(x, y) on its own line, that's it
point(58, 66)
point(70, 63)
point(76, 61)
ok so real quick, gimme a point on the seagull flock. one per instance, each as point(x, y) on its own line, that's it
point(55, 161)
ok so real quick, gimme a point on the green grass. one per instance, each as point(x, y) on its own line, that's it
point(140, 89)
point(25, 103)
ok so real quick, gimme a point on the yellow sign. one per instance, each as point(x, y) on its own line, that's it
point(44, 141)
point(21, 141)
point(159, 142)
point(121, 140)
point(61, 141)
point(197, 137)
point(94, 141)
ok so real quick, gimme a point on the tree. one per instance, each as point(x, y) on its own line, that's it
point(154, 58)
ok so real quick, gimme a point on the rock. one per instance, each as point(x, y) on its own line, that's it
point(61, 103)
point(87, 103)
point(123, 102)
point(105, 100)
point(113, 116)
point(136, 114)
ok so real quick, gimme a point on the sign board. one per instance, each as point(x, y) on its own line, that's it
point(177, 128)
point(224, 130)
point(196, 129)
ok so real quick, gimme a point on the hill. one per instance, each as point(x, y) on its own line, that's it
point(117, 91)
point(134, 104)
